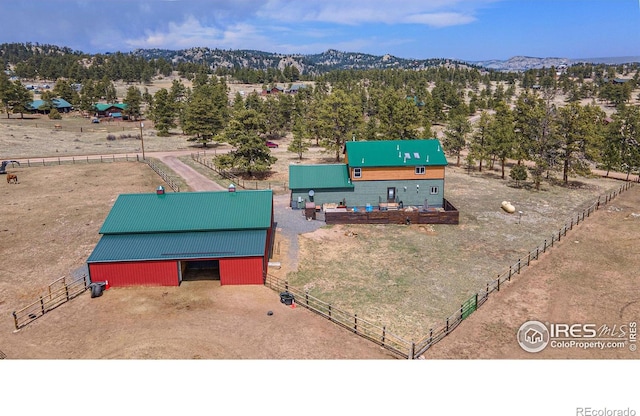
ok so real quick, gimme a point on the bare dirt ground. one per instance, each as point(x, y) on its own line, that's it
point(590, 277)
point(49, 225)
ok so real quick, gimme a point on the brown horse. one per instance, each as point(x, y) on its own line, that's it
point(12, 178)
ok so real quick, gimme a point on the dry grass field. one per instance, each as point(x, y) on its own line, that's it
point(408, 278)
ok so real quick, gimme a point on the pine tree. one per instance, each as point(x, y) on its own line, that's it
point(455, 136)
point(163, 113)
point(133, 100)
point(300, 142)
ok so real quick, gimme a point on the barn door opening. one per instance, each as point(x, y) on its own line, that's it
point(200, 270)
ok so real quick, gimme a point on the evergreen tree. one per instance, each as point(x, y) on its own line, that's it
point(398, 116)
point(339, 117)
point(455, 136)
point(501, 135)
point(579, 133)
point(478, 144)
point(163, 112)
point(300, 142)
point(133, 100)
point(518, 173)
point(16, 98)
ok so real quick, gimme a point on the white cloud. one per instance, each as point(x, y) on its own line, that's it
point(435, 13)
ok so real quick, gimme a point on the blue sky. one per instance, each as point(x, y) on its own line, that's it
point(419, 29)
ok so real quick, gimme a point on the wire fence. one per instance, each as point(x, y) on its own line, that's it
point(207, 162)
point(168, 179)
point(374, 333)
point(80, 159)
point(478, 299)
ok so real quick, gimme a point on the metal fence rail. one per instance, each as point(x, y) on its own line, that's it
point(374, 333)
point(57, 293)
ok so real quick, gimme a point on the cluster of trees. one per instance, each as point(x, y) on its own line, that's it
point(389, 104)
point(545, 137)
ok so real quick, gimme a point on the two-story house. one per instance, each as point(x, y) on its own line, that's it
point(383, 173)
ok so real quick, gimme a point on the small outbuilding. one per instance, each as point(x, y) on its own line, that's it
point(162, 239)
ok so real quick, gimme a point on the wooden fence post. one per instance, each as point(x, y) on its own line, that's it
point(528, 258)
point(509, 277)
point(461, 311)
point(286, 285)
point(15, 319)
point(518, 266)
point(41, 305)
point(476, 307)
point(355, 323)
point(447, 328)
point(384, 334)
point(306, 297)
point(544, 250)
point(498, 287)
point(412, 350)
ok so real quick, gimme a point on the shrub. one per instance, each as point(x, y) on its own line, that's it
point(111, 137)
point(54, 114)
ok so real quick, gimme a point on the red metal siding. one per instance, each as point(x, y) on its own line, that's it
point(241, 271)
point(144, 273)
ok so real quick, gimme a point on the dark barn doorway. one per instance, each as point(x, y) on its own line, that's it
point(200, 270)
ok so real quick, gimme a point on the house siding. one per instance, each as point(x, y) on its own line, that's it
point(323, 196)
point(397, 173)
point(146, 273)
point(417, 191)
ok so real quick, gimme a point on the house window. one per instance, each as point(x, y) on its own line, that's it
point(434, 190)
point(357, 172)
point(419, 170)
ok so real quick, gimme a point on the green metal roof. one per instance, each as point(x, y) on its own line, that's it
point(189, 211)
point(319, 176)
point(387, 153)
point(177, 246)
point(102, 106)
point(57, 103)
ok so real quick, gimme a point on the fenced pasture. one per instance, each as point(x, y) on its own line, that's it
point(408, 278)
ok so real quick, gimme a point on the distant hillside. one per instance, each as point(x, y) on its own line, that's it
point(523, 63)
point(312, 64)
point(309, 64)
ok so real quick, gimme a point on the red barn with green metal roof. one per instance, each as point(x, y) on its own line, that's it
point(161, 239)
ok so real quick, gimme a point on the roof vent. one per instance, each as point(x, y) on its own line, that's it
point(232, 188)
point(160, 190)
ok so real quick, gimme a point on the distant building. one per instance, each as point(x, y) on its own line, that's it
point(40, 106)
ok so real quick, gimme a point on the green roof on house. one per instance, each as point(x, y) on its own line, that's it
point(103, 107)
point(177, 246)
point(57, 103)
point(189, 211)
point(389, 153)
point(319, 176)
